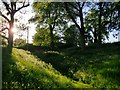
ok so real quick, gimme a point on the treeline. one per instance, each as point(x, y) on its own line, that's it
point(75, 23)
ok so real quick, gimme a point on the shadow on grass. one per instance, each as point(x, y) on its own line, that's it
point(57, 60)
point(99, 66)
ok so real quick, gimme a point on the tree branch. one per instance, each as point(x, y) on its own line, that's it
point(56, 16)
point(13, 5)
point(76, 14)
point(4, 16)
point(4, 29)
point(74, 6)
point(22, 7)
point(54, 21)
point(83, 4)
point(4, 36)
point(3, 33)
point(78, 3)
point(7, 7)
point(68, 11)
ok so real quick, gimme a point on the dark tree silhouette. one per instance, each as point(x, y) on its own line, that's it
point(75, 10)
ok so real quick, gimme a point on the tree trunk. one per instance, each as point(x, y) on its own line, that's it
point(52, 38)
point(82, 40)
point(95, 36)
point(10, 40)
point(10, 33)
point(82, 31)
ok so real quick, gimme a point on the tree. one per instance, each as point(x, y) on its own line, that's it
point(75, 11)
point(98, 21)
point(91, 25)
point(11, 8)
point(49, 17)
point(42, 37)
point(108, 18)
point(114, 14)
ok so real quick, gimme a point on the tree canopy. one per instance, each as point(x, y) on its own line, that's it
point(91, 26)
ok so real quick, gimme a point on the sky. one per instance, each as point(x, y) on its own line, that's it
point(25, 18)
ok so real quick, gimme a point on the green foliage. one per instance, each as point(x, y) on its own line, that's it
point(42, 37)
point(18, 42)
point(71, 36)
point(93, 28)
point(50, 16)
point(91, 25)
point(92, 22)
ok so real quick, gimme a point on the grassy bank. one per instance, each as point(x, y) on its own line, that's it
point(24, 70)
point(99, 67)
point(66, 68)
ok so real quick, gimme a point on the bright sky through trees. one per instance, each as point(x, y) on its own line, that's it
point(25, 17)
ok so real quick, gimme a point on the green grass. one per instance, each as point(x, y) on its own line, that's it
point(98, 67)
point(69, 68)
point(24, 70)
